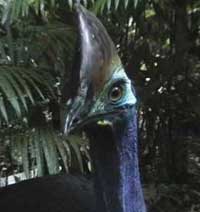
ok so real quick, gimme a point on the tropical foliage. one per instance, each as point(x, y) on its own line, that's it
point(159, 43)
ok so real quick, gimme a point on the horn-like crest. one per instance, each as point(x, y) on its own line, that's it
point(97, 61)
point(98, 53)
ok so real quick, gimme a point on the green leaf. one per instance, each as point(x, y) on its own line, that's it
point(10, 44)
point(109, 4)
point(6, 12)
point(41, 78)
point(17, 9)
point(126, 3)
point(99, 6)
point(24, 84)
point(42, 7)
point(25, 8)
point(135, 3)
point(62, 151)
point(75, 143)
point(3, 109)
point(24, 153)
point(70, 2)
point(15, 85)
point(53, 3)
point(39, 153)
point(116, 4)
point(31, 81)
point(9, 92)
point(3, 53)
point(50, 151)
point(67, 149)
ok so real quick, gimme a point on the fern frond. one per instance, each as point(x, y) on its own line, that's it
point(21, 86)
point(43, 151)
point(101, 5)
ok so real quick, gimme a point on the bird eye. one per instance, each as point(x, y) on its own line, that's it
point(116, 93)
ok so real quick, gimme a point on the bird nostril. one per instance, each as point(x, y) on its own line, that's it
point(76, 120)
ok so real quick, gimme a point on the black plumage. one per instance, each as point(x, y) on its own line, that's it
point(58, 193)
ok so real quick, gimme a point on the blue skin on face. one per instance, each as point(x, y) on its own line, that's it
point(105, 102)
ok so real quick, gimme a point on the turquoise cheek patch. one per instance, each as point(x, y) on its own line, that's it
point(129, 97)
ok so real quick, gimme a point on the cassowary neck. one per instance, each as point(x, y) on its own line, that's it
point(115, 158)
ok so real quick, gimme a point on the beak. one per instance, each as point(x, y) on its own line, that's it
point(97, 60)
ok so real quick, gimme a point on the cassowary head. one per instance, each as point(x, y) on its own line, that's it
point(102, 102)
point(100, 84)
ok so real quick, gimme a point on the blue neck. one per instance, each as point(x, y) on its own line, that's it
point(115, 157)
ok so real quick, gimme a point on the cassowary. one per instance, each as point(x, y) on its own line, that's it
point(102, 102)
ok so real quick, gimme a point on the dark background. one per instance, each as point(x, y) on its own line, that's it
point(159, 44)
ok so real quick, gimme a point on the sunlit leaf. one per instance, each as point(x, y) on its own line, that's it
point(3, 109)
point(70, 2)
point(24, 84)
point(9, 92)
point(15, 85)
point(116, 4)
point(25, 155)
point(75, 144)
point(109, 4)
point(126, 3)
point(50, 151)
point(62, 151)
point(40, 164)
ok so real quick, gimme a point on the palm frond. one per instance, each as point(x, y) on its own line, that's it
point(50, 151)
point(20, 86)
point(101, 5)
point(9, 93)
point(29, 65)
point(40, 149)
point(75, 143)
point(3, 111)
point(12, 9)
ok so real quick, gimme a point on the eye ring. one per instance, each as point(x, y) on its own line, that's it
point(116, 93)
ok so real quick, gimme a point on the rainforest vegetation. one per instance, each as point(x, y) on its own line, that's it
point(159, 44)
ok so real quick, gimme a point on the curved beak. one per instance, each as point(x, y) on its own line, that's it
point(98, 59)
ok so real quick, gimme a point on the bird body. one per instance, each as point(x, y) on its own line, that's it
point(57, 193)
point(102, 102)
